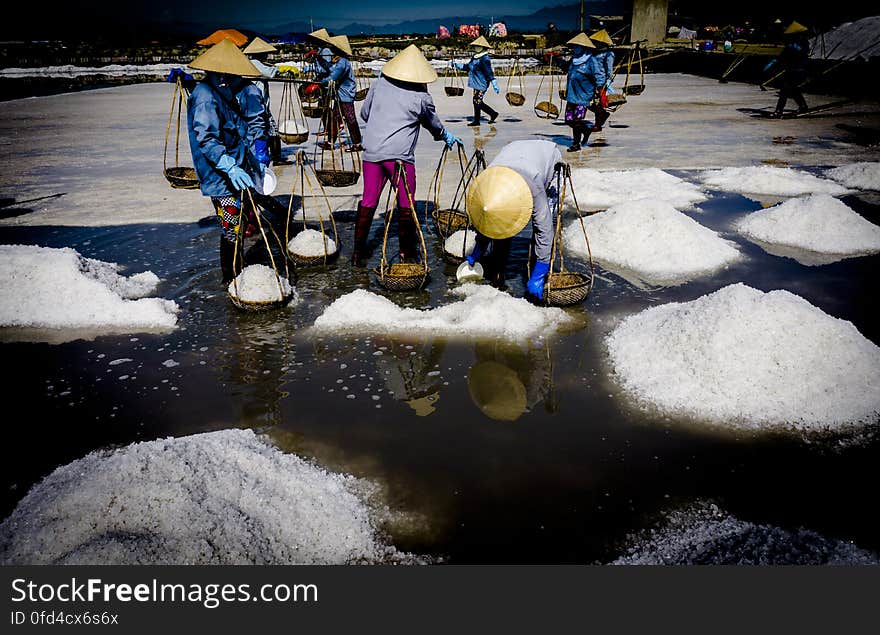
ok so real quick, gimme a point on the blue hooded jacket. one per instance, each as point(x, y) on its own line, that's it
point(582, 80)
point(225, 119)
point(343, 74)
point(480, 73)
point(606, 62)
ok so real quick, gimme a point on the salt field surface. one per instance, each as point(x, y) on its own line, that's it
point(494, 434)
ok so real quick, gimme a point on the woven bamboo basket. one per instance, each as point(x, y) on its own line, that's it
point(246, 305)
point(447, 221)
point(403, 276)
point(313, 261)
point(182, 178)
point(361, 94)
point(565, 288)
point(313, 112)
point(549, 109)
point(634, 89)
point(515, 99)
point(294, 139)
point(454, 91)
point(337, 178)
point(452, 258)
point(616, 99)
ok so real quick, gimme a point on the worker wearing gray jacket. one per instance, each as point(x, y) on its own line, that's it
point(515, 188)
point(397, 106)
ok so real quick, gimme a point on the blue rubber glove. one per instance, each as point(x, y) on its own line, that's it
point(769, 65)
point(539, 276)
point(474, 256)
point(240, 179)
point(261, 151)
point(458, 65)
point(495, 85)
point(451, 139)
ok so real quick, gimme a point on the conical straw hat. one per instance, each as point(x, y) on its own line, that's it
point(410, 66)
point(321, 35)
point(257, 46)
point(224, 57)
point(795, 27)
point(602, 36)
point(581, 39)
point(481, 41)
point(340, 43)
point(499, 203)
point(497, 391)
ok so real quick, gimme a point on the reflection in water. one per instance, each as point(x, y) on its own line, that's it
point(410, 373)
point(507, 380)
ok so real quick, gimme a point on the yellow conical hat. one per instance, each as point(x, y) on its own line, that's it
point(481, 41)
point(581, 39)
point(499, 203)
point(795, 27)
point(321, 35)
point(257, 46)
point(410, 66)
point(497, 391)
point(341, 43)
point(224, 57)
point(602, 36)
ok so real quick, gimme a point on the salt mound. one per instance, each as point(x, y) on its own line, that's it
point(601, 190)
point(292, 126)
point(310, 242)
point(860, 176)
point(462, 238)
point(258, 283)
point(705, 534)
point(771, 181)
point(748, 359)
point(485, 312)
point(217, 498)
point(652, 240)
point(57, 288)
point(818, 223)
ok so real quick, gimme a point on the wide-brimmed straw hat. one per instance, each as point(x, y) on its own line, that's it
point(481, 41)
point(795, 27)
point(410, 65)
point(259, 45)
point(321, 35)
point(341, 44)
point(581, 39)
point(602, 36)
point(225, 57)
point(497, 391)
point(499, 202)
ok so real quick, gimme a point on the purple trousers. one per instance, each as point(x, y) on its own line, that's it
point(377, 174)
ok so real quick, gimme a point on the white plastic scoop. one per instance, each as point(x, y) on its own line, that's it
point(466, 273)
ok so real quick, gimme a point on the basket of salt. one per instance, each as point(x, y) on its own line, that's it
point(182, 178)
point(312, 247)
point(453, 91)
point(338, 164)
point(337, 178)
point(292, 131)
point(513, 97)
point(615, 100)
point(547, 110)
point(449, 217)
point(179, 176)
point(565, 288)
point(453, 84)
point(402, 276)
point(259, 288)
point(447, 221)
point(459, 246)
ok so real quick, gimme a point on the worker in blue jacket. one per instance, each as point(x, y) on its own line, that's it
point(341, 75)
point(580, 88)
point(228, 139)
point(480, 77)
point(604, 70)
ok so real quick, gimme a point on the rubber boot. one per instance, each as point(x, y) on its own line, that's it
point(493, 114)
point(407, 235)
point(601, 118)
point(780, 103)
point(576, 139)
point(227, 255)
point(476, 120)
point(801, 102)
point(362, 225)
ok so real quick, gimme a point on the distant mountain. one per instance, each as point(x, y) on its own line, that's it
point(565, 17)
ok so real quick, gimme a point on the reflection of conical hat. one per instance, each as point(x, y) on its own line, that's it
point(341, 44)
point(423, 406)
point(224, 57)
point(602, 36)
point(499, 202)
point(497, 391)
point(481, 41)
point(581, 39)
point(321, 35)
point(410, 66)
point(795, 27)
point(257, 46)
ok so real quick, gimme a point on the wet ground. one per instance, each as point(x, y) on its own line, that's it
point(565, 481)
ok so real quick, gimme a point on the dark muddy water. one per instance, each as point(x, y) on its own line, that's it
point(563, 482)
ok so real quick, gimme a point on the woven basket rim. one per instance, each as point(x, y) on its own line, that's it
point(248, 305)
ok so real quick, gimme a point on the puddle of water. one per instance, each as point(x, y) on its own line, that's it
point(564, 470)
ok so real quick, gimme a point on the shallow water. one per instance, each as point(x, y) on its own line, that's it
point(565, 481)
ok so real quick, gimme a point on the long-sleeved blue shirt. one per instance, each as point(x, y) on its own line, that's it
point(480, 73)
point(225, 122)
point(535, 160)
point(582, 82)
point(393, 113)
point(606, 63)
point(342, 73)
